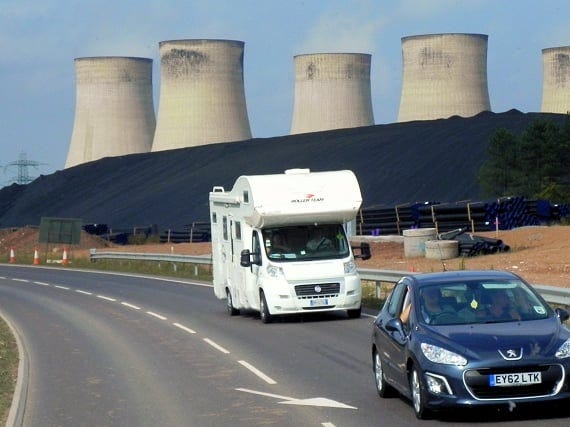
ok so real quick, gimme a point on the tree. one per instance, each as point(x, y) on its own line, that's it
point(534, 164)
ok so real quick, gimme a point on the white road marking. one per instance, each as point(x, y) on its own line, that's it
point(65, 288)
point(216, 346)
point(21, 280)
point(257, 372)
point(106, 298)
point(41, 283)
point(126, 304)
point(328, 425)
point(83, 292)
point(317, 401)
point(158, 316)
point(184, 328)
point(2, 278)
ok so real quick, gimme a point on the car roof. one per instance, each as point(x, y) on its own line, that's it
point(467, 275)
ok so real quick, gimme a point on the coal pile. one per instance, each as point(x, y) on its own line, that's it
point(396, 164)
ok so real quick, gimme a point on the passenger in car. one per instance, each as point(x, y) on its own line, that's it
point(500, 307)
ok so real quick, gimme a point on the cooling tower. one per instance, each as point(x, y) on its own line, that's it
point(202, 97)
point(556, 80)
point(114, 110)
point(443, 75)
point(332, 91)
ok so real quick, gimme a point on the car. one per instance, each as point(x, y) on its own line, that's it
point(470, 339)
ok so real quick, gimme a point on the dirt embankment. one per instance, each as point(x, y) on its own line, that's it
point(539, 254)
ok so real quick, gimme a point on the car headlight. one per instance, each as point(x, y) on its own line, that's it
point(564, 350)
point(440, 355)
point(274, 271)
point(349, 267)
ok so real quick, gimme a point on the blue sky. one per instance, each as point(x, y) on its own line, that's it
point(39, 40)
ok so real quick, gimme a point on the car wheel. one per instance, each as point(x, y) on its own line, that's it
point(382, 387)
point(232, 311)
point(263, 310)
point(418, 391)
point(354, 314)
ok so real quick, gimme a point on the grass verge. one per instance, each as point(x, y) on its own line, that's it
point(8, 369)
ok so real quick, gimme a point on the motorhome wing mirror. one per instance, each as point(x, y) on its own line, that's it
point(245, 258)
point(364, 249)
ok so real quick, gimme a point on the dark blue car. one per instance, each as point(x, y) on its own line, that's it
point(469, 339)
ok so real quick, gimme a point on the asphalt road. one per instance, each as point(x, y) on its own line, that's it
point(113, 350)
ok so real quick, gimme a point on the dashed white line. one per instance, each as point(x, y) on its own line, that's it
point(216, 346)
point(83, 292)
point(65, 288)
point(41, 283)
point(106, 298)
point(327, 424)
point(126, 304)
point(158, 316)
point(257, 372)
point(21, 280)
point(184, 328)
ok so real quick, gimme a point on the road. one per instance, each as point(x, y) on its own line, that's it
point(115, 350)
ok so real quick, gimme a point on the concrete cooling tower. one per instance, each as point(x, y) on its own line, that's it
point(556, 80)
point(114, 110)
point(332, 91)
point(202, 97)
point(443, 75)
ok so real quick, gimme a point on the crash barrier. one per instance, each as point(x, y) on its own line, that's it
point(501, 214)
point(552, 294)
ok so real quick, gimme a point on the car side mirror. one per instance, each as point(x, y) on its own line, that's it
point(395, 324)
point(364, 249)
point(562, 314)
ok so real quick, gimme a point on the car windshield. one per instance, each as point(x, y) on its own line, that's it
point(479, 302)
point(304, 242)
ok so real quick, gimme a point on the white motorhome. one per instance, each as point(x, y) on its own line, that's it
point(279, 243)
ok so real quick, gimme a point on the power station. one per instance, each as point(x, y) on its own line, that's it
point(556, 80)
point(332, 91)
point(114, 109)
point(202, 96)
point(443, 75)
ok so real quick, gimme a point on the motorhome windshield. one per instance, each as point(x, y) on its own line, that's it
point(301, 242)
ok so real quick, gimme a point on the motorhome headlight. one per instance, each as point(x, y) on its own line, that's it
point(349, 267)
point(274, 271)
point(564, 350)
point(440, 355)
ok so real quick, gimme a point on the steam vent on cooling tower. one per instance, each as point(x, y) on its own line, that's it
point(556, 80)
point(443, 75)
point(114, 110)
point(332, 91)
point(202, 97)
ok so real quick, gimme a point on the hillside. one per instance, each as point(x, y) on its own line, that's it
point(396, 163)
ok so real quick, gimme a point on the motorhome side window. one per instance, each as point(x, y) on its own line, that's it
point(237, 226)
point(214, 217)
point(245, 196)
point(305, 242)
point(225, 227)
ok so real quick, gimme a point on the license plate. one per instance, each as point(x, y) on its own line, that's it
point(319, 302)
point(510, 380)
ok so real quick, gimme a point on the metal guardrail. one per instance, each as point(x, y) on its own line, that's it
point(552, 294)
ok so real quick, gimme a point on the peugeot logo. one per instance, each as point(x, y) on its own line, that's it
point(512, 354)
point(318, 289)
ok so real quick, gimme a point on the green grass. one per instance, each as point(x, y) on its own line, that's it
point(8, 369)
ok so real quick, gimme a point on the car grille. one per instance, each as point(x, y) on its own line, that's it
point(328, 290)
point(477, 382)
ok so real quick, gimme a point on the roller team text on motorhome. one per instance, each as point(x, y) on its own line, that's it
point(280, 246)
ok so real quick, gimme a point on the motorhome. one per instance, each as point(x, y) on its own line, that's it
point(280, 246)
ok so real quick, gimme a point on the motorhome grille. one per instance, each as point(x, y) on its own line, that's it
point(318, 290)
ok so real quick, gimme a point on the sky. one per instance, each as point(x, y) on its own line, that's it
point(39, 40)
